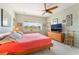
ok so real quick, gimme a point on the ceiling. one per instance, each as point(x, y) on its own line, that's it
point(36, 9)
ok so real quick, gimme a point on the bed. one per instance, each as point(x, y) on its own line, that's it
point(29, 43)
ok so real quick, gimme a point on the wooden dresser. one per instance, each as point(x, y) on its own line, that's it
point(58, 36)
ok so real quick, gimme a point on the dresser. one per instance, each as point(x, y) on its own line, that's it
point(58, 36)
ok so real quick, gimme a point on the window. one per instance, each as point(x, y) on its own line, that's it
point(32, 26)
point(5, 22)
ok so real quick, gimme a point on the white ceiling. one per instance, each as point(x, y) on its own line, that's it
point(36, 8)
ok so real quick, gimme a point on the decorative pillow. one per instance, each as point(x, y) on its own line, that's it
point(20, 32)
point(16, 35)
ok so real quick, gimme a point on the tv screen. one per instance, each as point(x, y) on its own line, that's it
point(56, 27)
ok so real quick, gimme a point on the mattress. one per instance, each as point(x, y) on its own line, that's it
point(29, 41)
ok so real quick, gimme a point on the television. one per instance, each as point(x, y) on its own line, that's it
point(56, 27)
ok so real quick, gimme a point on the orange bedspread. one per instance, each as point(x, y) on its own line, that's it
point(28, 42)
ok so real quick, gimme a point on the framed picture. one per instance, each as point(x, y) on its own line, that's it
point(69, 21)
point(5, 18)
point(64, 21)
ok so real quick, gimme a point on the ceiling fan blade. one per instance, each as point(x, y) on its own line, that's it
point(52, 8)
point(45, 6)
point(50, 11)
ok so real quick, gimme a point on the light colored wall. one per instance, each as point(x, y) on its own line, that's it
point(8, 9)
point(21, 18)
point(74, 10)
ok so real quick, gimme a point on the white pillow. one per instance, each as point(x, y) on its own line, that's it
point(16, 35)
point(7, 39)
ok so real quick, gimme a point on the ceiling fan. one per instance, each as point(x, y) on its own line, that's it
point(49, 10)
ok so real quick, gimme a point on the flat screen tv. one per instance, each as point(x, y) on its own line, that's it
point(56, 27)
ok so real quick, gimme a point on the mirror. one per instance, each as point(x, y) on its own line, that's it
point(5, 18)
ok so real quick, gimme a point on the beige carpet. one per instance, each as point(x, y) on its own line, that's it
point(59, 49)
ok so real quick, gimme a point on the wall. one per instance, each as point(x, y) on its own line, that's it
point(8, 9)
point(21, 18)
point(74, 10)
